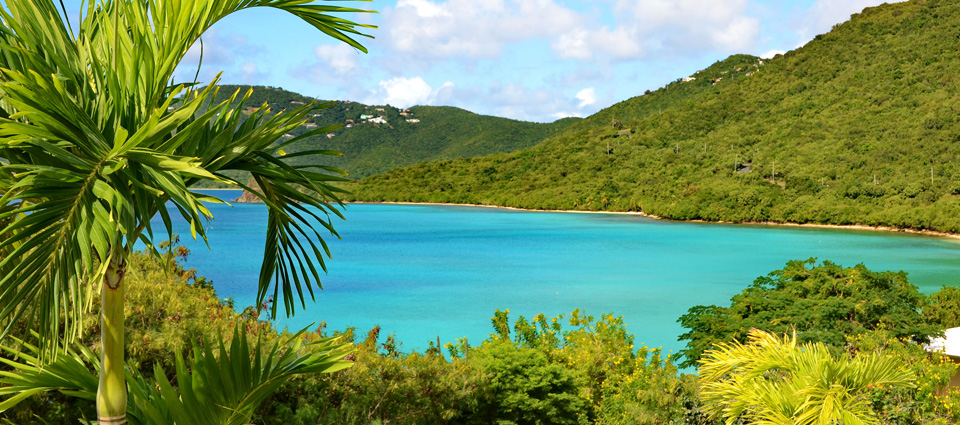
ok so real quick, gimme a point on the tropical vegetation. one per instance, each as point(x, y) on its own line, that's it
point(858, 126)
point(96, 141)
point(571, 368)
point(94, 148)
point(405, 137)
point(823, 303)
point(773, 380)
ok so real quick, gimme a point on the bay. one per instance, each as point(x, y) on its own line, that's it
point(424, 272)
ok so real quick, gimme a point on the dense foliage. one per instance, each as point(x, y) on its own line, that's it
point(168, 309)
point(774, 380)
point(407, 137)
point(857, 126)
point(542, 374)
point(943, 308)
point(546, 370)
point(823, 303)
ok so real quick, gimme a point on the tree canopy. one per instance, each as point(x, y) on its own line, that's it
point(823, 303)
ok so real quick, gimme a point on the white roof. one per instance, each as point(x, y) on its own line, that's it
point(949, 344)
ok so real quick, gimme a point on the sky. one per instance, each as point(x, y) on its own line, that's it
point(532, 60)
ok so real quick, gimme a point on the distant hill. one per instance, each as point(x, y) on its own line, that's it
point(378, 138)
point(859, 126)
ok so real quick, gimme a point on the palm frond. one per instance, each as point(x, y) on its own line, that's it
point(773, 380)
point(91, 151)
point(219, 384)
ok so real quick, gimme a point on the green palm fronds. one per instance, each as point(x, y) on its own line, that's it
point(771, 380)
point(220, 384)
point(95, 141)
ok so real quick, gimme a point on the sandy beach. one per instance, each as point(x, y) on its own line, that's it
point(754, 223)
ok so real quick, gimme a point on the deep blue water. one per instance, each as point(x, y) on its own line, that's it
point(428, 271)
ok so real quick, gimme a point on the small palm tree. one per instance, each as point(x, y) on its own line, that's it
point(96, 140)
point(774, 381)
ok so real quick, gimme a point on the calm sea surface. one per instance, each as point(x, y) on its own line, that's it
point(428, 271)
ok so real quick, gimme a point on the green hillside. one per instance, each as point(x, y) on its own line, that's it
point(377, 138)
point(858, 126)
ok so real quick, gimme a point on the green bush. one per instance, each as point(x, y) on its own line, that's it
point(822, 303)
point(651, 393)
point(526, 387)
point(383, 386)
point(943, 308)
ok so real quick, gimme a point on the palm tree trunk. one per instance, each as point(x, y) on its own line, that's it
point(112, 392)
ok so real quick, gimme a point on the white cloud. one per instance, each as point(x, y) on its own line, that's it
point(213, 49)
point(405, 92)
point(586, 97)
point(561, 115)
point(737, 34)
point(249, 71)
point(424, 8)
point(683, 25)
point(825, 13)
point(472, 28)
point(771, 53)
point(341, 58)
point(480, 29)
point(583, 44)
point(530, 104)
point(435, 30)
point(443, 94)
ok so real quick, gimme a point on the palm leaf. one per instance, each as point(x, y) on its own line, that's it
point(219, 384)
point(90, 152)
point(774, 381)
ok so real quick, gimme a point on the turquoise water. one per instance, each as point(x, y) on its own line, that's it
point(428, 271)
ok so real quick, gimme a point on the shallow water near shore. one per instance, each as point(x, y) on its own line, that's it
point(423, 272)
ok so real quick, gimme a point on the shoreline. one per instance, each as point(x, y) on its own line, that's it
point(948, 235)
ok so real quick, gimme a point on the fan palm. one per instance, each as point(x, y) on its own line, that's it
point(96, 140)
point(774, 381)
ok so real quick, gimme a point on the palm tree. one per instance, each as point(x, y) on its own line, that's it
point(96, 140)
point(774, 381)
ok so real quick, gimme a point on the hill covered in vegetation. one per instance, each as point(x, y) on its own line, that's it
point(377, 138)
point(859, 126)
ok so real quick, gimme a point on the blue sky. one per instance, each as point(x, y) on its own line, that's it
point(535, 60)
